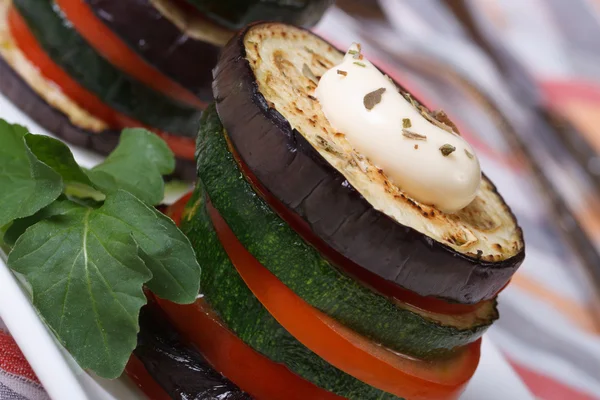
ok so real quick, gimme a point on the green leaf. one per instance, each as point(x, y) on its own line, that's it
point(166, 251)
point(19, 226)
point(136, 165)
point(86, 276)
point(57, 156)
point(87, 264)
point(26, 184)
point(88, 246)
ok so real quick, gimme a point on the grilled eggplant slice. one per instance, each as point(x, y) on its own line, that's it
point(237, 13)
point(179, 369)
point(266, 104)
point(302, 268)
point(161, 43)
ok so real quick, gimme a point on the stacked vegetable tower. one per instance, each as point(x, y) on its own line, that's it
point(321, 278)
point(86, 69)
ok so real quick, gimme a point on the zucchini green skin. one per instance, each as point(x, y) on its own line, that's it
point(227, 294)
point(235, 14)
point(304, 270)
point(86, 66)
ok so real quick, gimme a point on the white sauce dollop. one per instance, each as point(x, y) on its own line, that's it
point(417, 167)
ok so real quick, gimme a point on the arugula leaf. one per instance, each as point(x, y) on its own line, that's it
point(87, 246)
point(83, 266)
point(57, 156)
point(166, 251)
point(136, 165)
point(19, 226)
point(27, 184)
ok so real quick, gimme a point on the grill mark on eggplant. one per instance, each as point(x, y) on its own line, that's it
point(314, 189)
point(401, 269)
point(344, 222)
point(465, 278)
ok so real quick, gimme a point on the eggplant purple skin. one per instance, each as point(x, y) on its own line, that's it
point(13, 87)
point(160, 43)
point(295, 173)
point(178, 368)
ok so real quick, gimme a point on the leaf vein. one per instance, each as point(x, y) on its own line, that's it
point(107, 284)
point(151, 239)
point(89, 285)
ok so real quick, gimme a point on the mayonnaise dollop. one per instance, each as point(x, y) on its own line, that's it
point(428, 163)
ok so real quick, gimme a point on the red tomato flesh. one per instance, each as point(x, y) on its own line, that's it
point(139, 375)
point(228, 354)
point(341, 347)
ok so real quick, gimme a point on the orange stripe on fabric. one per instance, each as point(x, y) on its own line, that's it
point(12, 360)
point(577, 313)
point(546, 388)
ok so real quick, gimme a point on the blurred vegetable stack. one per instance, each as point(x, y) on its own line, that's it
point(85, 69)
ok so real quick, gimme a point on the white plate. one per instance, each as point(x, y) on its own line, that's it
point(64, 380)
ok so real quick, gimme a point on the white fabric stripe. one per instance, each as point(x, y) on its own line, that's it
point(7, 394)
point(540, 315)
point(544, 363)
point(530, 34)
point(563, 279)
point(23, 386)
point(546, 341)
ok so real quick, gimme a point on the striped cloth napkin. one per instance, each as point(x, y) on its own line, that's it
point(17, 379)
point(549, 328)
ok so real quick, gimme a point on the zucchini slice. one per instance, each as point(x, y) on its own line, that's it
point(276, 125)
point(236, 13)
point(179, 369)
point(161, 43)
point(227, 294)
point(121, 92)
point(304, 270)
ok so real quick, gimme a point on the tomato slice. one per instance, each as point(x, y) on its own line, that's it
point(251, 371)
point(368, 278)
point(175, 210)
point(183, 147)
point(107, 43)
point(137, 372)
point(228, 354)
point(341, 347)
